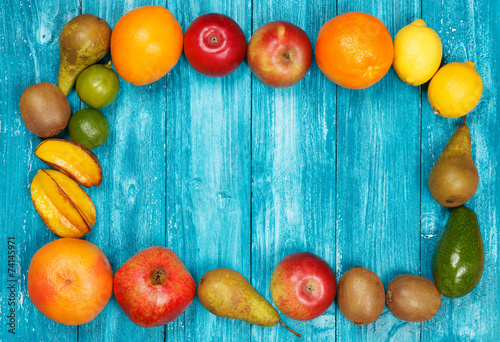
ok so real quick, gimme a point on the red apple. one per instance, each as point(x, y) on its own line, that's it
point(303, 286)
point(279, 54)
point(153, 287)
point(214, 45)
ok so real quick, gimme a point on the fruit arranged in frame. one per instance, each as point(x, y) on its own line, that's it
point(214, 45)
point(417, 53)
point(455, 89)
point(279, 54)
point(57, 194)
point(98, 85)
point(454, 179)
point(226, 293)
point(70, 281)
point(44, 109)
point(303, 286)
point(71, 159)
point(154, 287)
point(458, 258)
point(63, 206)
point(89, 128)
point(361, 296)
point(354, 50)
point(413, 298)
point(146, 43)
point(83, 41)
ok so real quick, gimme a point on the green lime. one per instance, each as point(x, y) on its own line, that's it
point(89, 128)
point(98, 85)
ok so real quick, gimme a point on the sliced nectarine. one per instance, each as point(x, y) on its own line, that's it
point(67, 214)
point(80, 199)
point(72, 159)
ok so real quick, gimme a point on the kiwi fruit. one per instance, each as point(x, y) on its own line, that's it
point(44, 109)
point(361, 296)
point(413, 298)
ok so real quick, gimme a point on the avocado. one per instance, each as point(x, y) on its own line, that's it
point(458, 259)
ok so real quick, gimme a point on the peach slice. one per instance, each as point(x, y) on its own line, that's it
point(80, 199)
point(64, 207)
point(72, 159)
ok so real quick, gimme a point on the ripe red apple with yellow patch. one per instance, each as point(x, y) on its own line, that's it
point(214, 45)
point(279, 54)
point(154, 287)
point(303, 286)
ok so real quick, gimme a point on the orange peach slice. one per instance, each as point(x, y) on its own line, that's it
point(63, 206)
point(80, 199)
point(72, 159)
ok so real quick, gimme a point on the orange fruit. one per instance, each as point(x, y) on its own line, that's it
point(145, 45)
point(70, 281)
point(354, 50)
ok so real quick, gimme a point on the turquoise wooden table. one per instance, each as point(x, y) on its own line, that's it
point(232, 173)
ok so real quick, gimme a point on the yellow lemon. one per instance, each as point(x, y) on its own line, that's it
point(417, 53)
point(455, 89)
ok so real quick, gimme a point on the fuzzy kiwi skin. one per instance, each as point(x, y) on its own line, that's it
point(361, 296)
point(44, 109)
point(413, 298)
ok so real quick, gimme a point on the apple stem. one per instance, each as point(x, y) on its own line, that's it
point(289, 329)
point(158, 276)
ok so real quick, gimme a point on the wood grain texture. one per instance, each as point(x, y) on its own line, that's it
point(131, 199)
point(378, 183)
point(208, 174)
point(231, 173)
point(293, 170)
point(27, 55)
point(466, 34)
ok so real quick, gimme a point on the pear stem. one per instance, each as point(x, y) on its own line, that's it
point(289, 329)
point(464, 119)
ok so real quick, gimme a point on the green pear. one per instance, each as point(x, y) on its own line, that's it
point(227, 293)
point(83, 41)
point(458, 258)
point(453, 179)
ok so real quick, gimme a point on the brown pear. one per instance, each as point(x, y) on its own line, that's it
point(84, 40)
point(226, 293)
point(453, 179)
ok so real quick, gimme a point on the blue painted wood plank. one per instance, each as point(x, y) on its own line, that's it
point(28, 55)
point(293, 163)
point(208, 174)
point(467, 31)
point(378, 184)
point(130, 202)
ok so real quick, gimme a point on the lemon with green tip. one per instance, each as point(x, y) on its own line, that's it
point(417, 53)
